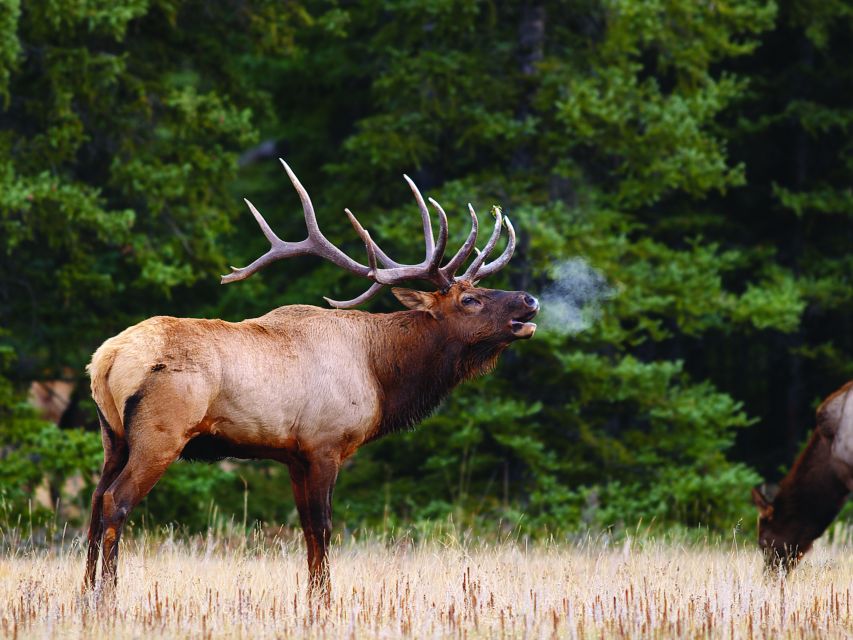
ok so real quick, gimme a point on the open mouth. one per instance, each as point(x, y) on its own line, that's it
point(521, 327)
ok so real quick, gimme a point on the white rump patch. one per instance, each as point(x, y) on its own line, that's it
point(841, 412)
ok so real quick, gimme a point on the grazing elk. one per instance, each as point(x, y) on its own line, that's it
point(797, 512)
point(301, 385)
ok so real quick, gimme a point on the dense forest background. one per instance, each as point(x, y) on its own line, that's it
point(679, 174)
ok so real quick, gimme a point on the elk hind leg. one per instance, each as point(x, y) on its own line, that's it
point(147, 462)
point(115, 458)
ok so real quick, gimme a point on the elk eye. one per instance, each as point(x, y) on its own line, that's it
point(470, 302)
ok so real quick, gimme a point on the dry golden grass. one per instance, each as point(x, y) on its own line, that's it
point(206, 588)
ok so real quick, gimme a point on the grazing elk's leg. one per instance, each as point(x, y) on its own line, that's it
point(147, 462)
point(115, 458)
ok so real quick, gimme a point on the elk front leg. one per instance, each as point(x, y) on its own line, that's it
point(299, 484)
point(313, 483)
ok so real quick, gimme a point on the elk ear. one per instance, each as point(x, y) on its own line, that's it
point(762, 496)
point(415, 300)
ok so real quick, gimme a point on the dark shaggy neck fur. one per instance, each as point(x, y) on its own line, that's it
point(418, 362)
point(811, 495)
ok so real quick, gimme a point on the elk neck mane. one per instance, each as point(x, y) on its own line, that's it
point(417, 361)
point(811, 491)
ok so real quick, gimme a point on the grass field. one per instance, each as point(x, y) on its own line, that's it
point(215, 587)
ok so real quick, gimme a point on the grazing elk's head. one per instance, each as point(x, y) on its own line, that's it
point(783, 539)
point(776, 542)
point(472, 315)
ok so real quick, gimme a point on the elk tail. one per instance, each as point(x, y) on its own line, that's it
point(99, 371)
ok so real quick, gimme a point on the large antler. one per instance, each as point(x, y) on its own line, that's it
point(391, 272)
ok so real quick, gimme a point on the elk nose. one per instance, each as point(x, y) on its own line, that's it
point(530, 301)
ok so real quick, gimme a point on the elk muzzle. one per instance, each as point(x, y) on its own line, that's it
point(520, 325)
point(781, 557)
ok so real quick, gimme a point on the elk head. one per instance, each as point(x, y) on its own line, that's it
point(481, 316)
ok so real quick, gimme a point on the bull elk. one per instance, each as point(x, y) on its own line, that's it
point(302, 385)
point(797, 512)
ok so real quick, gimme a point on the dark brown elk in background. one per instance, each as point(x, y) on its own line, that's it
point(797, 512)
point(302, 385)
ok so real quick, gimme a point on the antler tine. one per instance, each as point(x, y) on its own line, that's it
point(307, 206)
point(276, 246)
point(428, 241)
point(368, 242)
point(429, 268)
point(372, 249)
point(387, 262)
point(316, 242)
point(450, 269)
point(438, 251)
point(265, 227)
point(501, 261)
point(364, 297)
point(471, 272)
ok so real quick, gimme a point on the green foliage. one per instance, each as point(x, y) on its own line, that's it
point(119, 138)
point(693, 157)
point(122, 124)
point(34, 452)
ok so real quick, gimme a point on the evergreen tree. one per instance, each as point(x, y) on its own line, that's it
point(121, 127)
point(596, 127)
point(792, 131)
point(676, 172)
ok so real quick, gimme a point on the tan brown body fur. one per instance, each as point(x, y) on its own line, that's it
point(302, 385)
point(204, 373)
